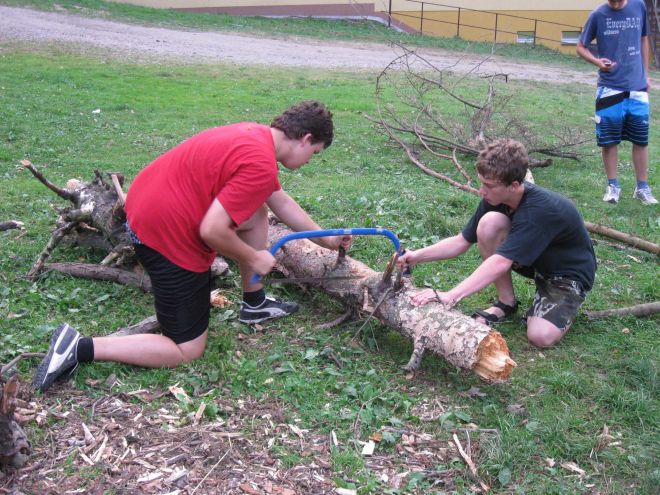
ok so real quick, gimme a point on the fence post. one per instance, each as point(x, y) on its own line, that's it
point(496, 18)
point(458, 24)
point(421, 20)
point(535, 24)
point(389, 16)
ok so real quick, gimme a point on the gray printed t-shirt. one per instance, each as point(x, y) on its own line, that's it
point(618, 34)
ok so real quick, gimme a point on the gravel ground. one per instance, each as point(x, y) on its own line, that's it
point(153, 44)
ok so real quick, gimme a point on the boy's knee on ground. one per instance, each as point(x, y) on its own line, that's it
point(542, 333)
point(194, 349)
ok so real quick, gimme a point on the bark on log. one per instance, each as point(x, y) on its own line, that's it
point(120, 275)
point(95, 218)
point(647, 309)
point(148, 325)
point(14, 445)
point(99, 272)
point(446, 332)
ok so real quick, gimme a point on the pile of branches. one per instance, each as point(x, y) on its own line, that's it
point(426, 110)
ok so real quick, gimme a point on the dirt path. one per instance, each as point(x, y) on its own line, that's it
point(153, 44)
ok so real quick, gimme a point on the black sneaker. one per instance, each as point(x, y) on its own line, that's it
point(270, 309)
point(61, 359)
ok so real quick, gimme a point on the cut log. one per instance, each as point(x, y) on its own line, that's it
point(461, 340)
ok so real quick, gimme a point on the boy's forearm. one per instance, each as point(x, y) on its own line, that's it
point(485, 274)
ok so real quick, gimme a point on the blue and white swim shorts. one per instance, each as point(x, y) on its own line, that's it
point(621, 115)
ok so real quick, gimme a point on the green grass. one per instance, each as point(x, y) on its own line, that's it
point(603, 372)
point(329, 29)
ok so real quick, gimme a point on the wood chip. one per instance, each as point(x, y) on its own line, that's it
point(247, 488)
point(150, 477)
point(84, 457)
point(144, 463)
point(345, 491)
point(177, 475)
point(199, 413)
point(180, 394)
point(218, 300)
point(297, 431)
point(99, 453)
point(571, 466)
point(376, 436)
point(369, 448)
point(89, 438)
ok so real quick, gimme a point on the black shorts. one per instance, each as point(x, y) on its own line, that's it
point(181, 297)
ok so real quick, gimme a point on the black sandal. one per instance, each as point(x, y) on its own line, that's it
point(493, 318)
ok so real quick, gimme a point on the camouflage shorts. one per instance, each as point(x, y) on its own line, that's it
point(557, 300)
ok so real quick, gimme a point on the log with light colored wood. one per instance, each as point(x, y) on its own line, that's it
point(445, 332)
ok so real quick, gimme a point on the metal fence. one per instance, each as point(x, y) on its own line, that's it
point(534, 24)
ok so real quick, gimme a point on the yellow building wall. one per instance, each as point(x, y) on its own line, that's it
point(480, 26)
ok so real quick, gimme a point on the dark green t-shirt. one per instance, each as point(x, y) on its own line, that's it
point(547, 233)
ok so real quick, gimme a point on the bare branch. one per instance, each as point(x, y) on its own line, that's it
point(62, 193)
point(638, 310)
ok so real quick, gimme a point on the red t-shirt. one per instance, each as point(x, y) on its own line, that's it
point(168, 199)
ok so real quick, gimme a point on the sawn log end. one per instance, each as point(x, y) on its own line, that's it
point(494, 363)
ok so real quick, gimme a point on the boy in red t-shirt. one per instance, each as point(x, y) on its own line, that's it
point(210, 194)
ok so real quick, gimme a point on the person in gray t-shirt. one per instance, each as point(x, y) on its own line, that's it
point(620, 28)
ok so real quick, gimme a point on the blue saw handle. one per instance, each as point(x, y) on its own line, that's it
point(309, 234)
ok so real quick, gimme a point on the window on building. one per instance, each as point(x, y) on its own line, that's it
point(525, 37)
point(570, 37)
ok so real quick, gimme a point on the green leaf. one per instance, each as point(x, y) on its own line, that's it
point(444, 417)
point(350, 391)
point(211, 410)
point(463, 416)
point(226, 315)
point(311, 354)
point(285, 367)
point(532, 426)
point(329, 370)
point(395, 421)
point(504, 476)
point(388, 437)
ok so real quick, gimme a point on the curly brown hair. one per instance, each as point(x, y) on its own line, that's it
point(307, 117)
point(504, 160)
